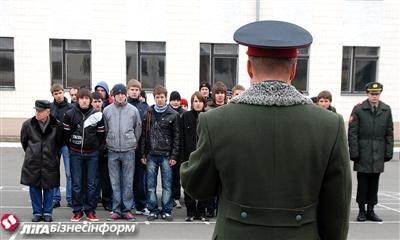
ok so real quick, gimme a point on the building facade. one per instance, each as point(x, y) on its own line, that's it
point(180, 43)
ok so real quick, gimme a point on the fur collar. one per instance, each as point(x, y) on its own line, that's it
point(271, 93)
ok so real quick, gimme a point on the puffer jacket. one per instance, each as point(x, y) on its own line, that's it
point(161, 136)
point(370, 137)
point(123, 127)
point(41, 167)
point(84, 130)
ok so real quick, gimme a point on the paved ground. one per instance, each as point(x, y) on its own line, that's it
point(14, 199)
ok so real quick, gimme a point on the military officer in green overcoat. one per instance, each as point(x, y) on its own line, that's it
point(371, 145)
point(279, 164)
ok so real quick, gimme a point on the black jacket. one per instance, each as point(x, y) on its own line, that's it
point(80, 138)
point(188, 133)
point(58, 110)
point(370, 137)
point(142, 107)
point(161, 136)
point(41, 167)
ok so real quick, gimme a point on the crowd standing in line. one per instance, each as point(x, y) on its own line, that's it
point(113, 144)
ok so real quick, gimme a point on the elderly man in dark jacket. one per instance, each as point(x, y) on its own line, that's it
point(371, 145)
point(279, 165)
point(41, 139)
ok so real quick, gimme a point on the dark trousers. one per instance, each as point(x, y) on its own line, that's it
point(176, 181)
point(104, 179)
point(195, 208)
point(367, 188)
point(140, 184)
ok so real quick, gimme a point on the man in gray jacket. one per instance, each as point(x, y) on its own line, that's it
point(123, 129)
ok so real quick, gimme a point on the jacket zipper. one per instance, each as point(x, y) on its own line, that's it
point(83, 131)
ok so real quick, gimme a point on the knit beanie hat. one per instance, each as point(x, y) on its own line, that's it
point(205, 84)
point(174, 96)
point(119, 88)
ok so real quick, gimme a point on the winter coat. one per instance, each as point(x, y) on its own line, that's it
point(41, 167)
point(84, 130)
point(279, 165)
point(58, 110)
point(161, 136)
point(370, 137)
point(188, 133)
point(123, 127)
point(142, 107)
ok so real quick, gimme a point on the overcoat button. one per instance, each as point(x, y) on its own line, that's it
point(243, 214)
point(299, 218)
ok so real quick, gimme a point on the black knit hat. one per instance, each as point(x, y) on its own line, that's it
point(205, 84)
point(119, 88)
point(174, 96)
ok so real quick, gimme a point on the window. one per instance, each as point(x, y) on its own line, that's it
point(70, 62)
point(219, 62)
point(145, 61)
point(7, 80)
point(301, 78)
point(359, 67)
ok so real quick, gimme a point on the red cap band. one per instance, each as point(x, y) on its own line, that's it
point(272, 52)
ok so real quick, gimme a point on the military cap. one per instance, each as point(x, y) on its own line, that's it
point(274, 39)
point(374, 87)
point(42, 105)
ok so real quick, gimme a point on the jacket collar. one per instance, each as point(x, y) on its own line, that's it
point(381, 106)
point(271, 93)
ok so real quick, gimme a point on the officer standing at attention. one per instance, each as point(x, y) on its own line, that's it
point(284, 172)
point(371, 145)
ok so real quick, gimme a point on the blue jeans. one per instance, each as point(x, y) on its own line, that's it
point(153, 163)
point(41, 200)
point(121, 167)
point(79, 162)
point(64, 151)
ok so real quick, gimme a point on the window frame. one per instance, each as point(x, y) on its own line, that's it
point(140, 53)
point(303, 56)
point(64, 65)
point(9, 50)
point(212, 57)
point(352, 66)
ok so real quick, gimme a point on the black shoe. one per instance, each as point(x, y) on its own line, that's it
point(373, 217)
point(56, 204)
point(189, 219)
point(48, 218)
point(152, 217)
point(37, 218)
point(361, 216)
point(107, 207)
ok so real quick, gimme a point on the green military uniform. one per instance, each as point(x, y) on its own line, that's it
point(371, 145)
point(279, 165)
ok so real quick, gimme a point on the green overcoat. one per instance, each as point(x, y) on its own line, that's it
point(279, 165)
point(371, 137)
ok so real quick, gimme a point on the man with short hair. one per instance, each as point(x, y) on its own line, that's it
point(160, 149)
point(123, 130)
point(371, 145)
point(73, 94)
point(139, 183)
point(84, 132)
point(279, 164)
point(58, 108)
point(237, 89)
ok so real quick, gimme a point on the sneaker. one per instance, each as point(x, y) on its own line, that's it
point(203, 219)
point(56, 204)
point(76, 217)
point(177, 204)
point(152, 217)
point(167, 217)
point(144, 212)
point(92, 217)
point(37, 218)
point(129, 217)
point(114, 216)
point(48, 218)
point(189, 219)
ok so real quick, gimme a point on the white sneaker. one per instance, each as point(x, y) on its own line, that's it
point(144, 212)
point(178, 204)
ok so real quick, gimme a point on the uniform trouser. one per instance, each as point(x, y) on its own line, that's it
point(176, 181)
point(195, 208)
point(367, 188)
